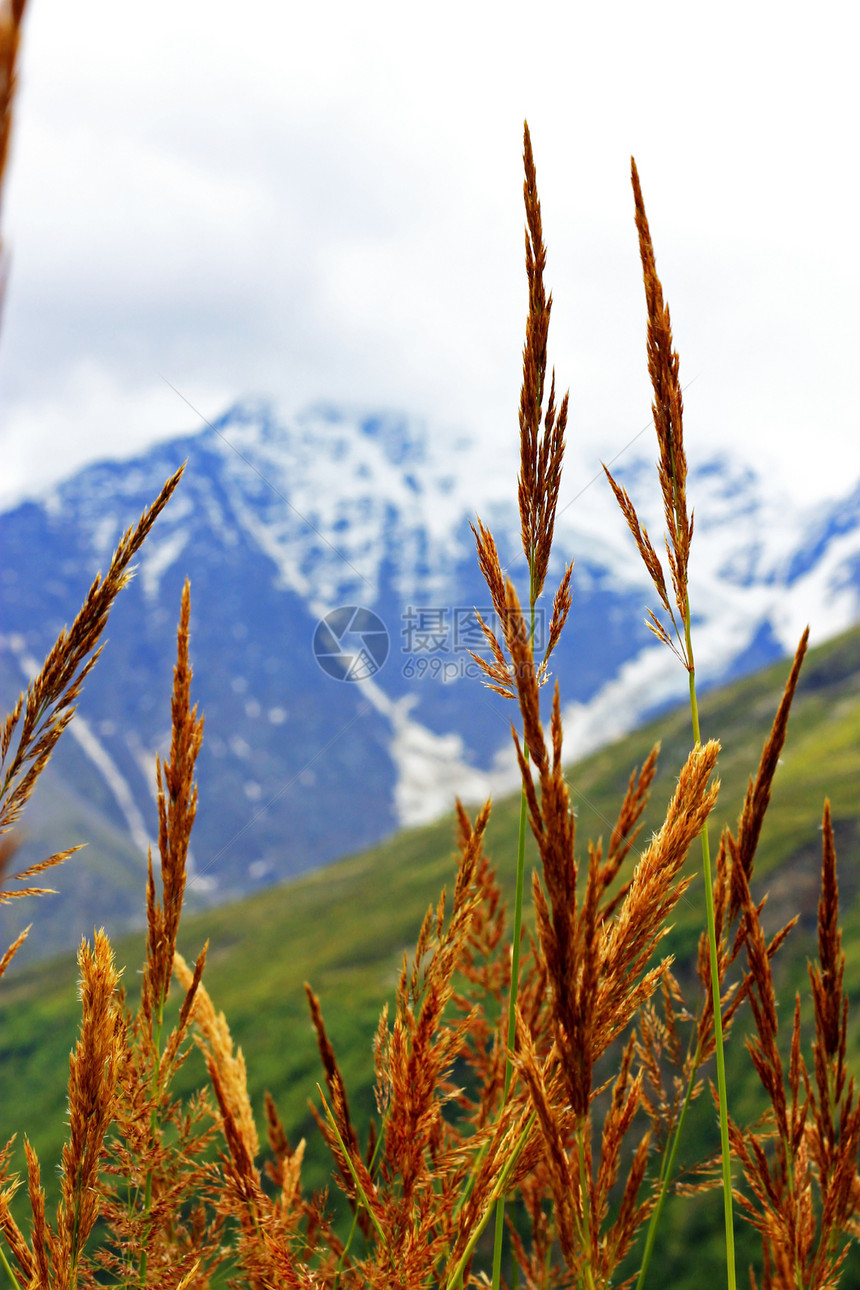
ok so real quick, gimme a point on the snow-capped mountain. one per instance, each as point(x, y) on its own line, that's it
point(333, 585)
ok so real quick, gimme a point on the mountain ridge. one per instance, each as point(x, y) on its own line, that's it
point(279, 524)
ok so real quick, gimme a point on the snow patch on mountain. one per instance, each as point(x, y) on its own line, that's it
point(334, 496)
point(432, 769)
point(116, 781)
point(157, 557)
point(826, 595)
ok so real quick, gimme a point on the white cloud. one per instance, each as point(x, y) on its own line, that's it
point(324, 202)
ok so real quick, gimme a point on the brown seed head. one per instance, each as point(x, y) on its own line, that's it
point(93, 1074)
point(177, 808)
point(541, 450)
point(40, 717)
point(667, 408)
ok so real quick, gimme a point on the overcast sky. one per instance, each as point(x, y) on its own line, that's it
point(325, 202)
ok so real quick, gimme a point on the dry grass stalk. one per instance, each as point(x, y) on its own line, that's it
point(42, 713)
point(30, 733)
point(94, 1071)
point(11, 1233)
point(45, 1246)
point(31, 871)
point(834, 1137)
point(668, 414)
point(758, 793)
point(626, 828)
point(659, 1041)
point(340, 1109)
point(11, 17)
point(267, 1226)
point(541, 459)
point(485, 967)
point(734, 871)
point(40, 716)
point(285, 1169)
point(13, 949)
point(157, 1200)
point(146, 1062)
point(177, 807)
point(541, 454)
point(437, 1180)
point(802, 1167)
point(216, 1043)
point(570, 941)
point(598, 969)
point(667, 411)
point(53, 1260)
point(421, 1050)
point(497, 670)
point(157, 1150)
point(735, 862)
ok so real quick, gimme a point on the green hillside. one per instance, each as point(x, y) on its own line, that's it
point(345, 928)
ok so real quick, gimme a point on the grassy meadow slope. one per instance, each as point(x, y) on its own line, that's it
point(345, 928)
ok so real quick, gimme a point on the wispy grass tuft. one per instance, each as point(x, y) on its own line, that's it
point(668, 415)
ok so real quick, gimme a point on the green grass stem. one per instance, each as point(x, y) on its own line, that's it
point(153, 1125)
point(588, 1275)
point(666, 1172)
point(515, 962)
point(359, 1190)
point(356, 1211)
point(715, 989)
point(8, 1268)
point(499, 1190)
